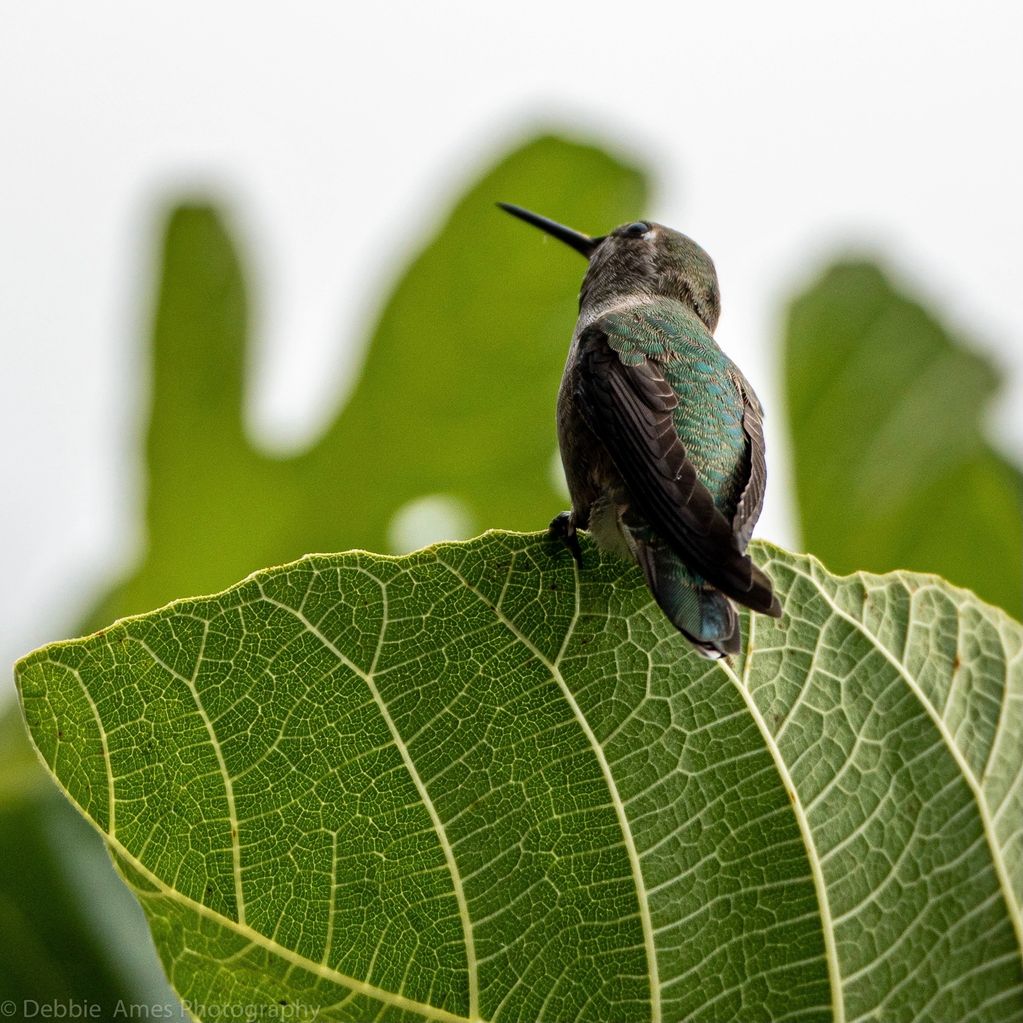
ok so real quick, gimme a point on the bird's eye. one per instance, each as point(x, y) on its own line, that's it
point(636, 230)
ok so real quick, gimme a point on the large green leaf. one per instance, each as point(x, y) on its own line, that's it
point(891, 463)
point(476, 783)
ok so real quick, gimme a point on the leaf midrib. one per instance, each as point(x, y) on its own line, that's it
point(646, 921)
point(819, 884)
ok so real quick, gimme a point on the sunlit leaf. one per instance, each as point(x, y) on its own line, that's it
point(477, 783)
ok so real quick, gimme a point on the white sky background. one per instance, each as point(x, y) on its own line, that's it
point(336, 134)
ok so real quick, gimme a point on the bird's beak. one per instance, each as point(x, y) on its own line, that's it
point(580, 242)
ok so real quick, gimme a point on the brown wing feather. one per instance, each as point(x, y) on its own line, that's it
point(629, 408)
point(751, 498)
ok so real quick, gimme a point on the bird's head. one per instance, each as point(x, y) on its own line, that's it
point(640, 257)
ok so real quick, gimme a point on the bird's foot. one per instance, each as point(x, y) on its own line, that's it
point(562, 528)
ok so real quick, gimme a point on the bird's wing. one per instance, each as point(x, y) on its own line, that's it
point(629, 406)
point(754, 473)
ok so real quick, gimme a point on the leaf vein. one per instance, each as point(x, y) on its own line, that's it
point(431, 809)
point(598, 750)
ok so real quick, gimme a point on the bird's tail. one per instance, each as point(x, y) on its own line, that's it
point(761, 596)
point(703, 615)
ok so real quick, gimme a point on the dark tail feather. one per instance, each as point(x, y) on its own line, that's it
point(758, 595)
point(761, 596)
point(704, 616)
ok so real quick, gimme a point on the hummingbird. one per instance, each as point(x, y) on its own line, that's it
point(661, 435)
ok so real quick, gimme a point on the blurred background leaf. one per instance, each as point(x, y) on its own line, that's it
point(456, 397)
point(892, 467)
point(455, 402)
